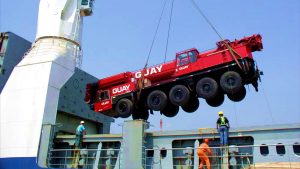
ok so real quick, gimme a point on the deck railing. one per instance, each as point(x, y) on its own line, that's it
point(235, 157)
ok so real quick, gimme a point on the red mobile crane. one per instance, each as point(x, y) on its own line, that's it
point(165, 87)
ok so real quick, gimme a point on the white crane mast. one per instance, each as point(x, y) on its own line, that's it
point(28, 102)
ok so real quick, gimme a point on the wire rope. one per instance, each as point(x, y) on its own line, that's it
point(155, 34)
point(268, 104)
point(140, 83)
point(232, 51)
point(169, 28)
point(206, 19)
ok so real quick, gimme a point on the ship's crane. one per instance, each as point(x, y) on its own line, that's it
point(36, 81)
point(165, 87)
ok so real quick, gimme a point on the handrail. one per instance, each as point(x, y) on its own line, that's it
point(233, 156)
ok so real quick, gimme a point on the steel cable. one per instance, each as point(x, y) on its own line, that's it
point(169, 28)
point(155, 34)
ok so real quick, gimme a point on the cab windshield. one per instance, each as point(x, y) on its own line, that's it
point(186, 58)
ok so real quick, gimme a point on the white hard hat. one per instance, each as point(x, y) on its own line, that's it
point(81, 122)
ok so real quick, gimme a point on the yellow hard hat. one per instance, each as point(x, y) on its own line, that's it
point(221, 113)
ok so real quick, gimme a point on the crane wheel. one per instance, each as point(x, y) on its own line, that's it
point(140, 114)
point(157, 100)
point(170, 110)
point(207, 88)
point(179, 95)
point(216, 101)
point(192, 105)
point(145, 115)
point(239, 96)
point(124, 107)
point(231, 82)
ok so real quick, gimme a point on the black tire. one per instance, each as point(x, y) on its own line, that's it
point(231, 82)
point(157, 100)
point(116, 116)
point(170, 110)
point(145, 115)
point(207, 88)
point(136, 115)
point(179, 95)
point(239, 96)
point(140, 114)
point(124, 107)
point(192, 105)
point(216, 101)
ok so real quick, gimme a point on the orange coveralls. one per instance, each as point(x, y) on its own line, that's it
point(202, 154)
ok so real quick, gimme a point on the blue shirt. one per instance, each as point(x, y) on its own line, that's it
point(80, 129)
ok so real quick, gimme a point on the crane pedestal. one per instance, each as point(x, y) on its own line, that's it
point(133, 148)
point(224, 158)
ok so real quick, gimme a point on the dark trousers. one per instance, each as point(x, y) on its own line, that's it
point(78, 141)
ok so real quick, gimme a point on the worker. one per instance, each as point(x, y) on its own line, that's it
point(80, 131)
point(223, 127)
point(202, 152)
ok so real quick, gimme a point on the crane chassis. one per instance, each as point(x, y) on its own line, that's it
point(210, 75)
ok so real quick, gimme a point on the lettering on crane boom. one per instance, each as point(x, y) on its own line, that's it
point(149, 71)
point(183, 67)
point(121, 89)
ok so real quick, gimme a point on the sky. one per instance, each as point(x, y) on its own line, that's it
point(118, 36)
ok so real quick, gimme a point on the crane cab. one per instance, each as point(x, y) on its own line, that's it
point(186, 57)
point(86, 8)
